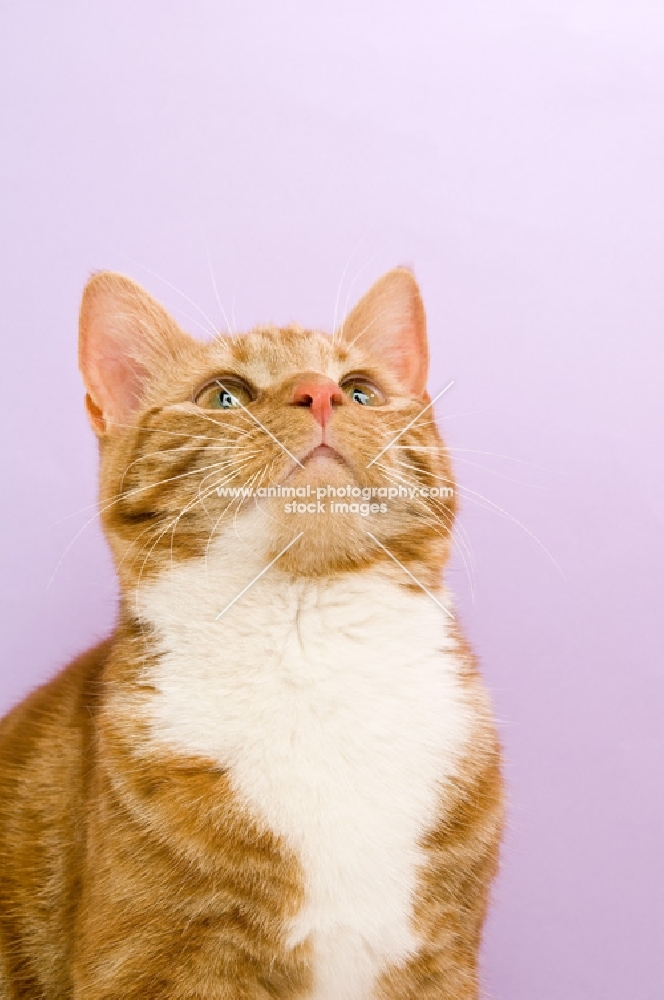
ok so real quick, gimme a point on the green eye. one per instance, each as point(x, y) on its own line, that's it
point(224, 394)
point(363, 392)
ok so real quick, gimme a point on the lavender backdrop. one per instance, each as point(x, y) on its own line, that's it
point(513, 153)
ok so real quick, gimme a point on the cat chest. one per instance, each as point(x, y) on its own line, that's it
point(339, 737)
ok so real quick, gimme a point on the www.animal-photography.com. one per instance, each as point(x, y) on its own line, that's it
point(332, 525)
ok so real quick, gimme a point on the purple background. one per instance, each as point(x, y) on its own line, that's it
point(513, 153)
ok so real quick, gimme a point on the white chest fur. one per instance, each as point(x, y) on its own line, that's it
point(337, 709)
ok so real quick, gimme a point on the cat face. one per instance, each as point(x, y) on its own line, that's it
point(290, 430)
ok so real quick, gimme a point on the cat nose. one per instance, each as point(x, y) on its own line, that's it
point(320, 395)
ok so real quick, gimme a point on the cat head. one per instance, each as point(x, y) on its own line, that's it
point(320, 432)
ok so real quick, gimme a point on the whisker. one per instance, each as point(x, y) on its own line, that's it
point(497, 454)
point(497, 509)
point(201, 415)
point(236, 469)
point(267, 431)
point(179, 291)
point(172, 523)
point(216, 290)
point(250, 485)
point(237, 459)
point(102, 510)
point(219, 440)
point(350, 289)
point(152, 454)
point(455, 529)
point(234, 327)
point(218, 445)
point(368, 326)
point(341, 281)
point(500, 475)
point(425, 472)
point(217, 522)
point(198, 499)
point(187, 434)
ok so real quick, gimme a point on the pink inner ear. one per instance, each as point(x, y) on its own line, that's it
point(117, 384)
point(126, 339)
point(407, 350)
point(389, 322)
point(114, 379)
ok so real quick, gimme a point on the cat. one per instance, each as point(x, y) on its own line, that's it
point(280, 776)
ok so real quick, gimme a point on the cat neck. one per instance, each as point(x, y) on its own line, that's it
point(351, 653)
point(233, 600)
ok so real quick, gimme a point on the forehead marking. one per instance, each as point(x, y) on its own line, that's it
point(271, 355)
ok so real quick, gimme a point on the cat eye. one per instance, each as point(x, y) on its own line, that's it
point(224, 394)
point(362, 391)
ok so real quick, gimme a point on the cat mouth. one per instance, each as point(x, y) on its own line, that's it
point(317, 459)
point(323, 451)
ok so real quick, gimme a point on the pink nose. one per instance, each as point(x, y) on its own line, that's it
point(320, 395)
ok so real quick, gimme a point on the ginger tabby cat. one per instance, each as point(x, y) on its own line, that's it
point(280, 776)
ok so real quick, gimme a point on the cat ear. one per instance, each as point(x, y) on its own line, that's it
point(125, 340)
point(389, 322)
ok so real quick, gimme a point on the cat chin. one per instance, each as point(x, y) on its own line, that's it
point(318, 545)
point(326, 547)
